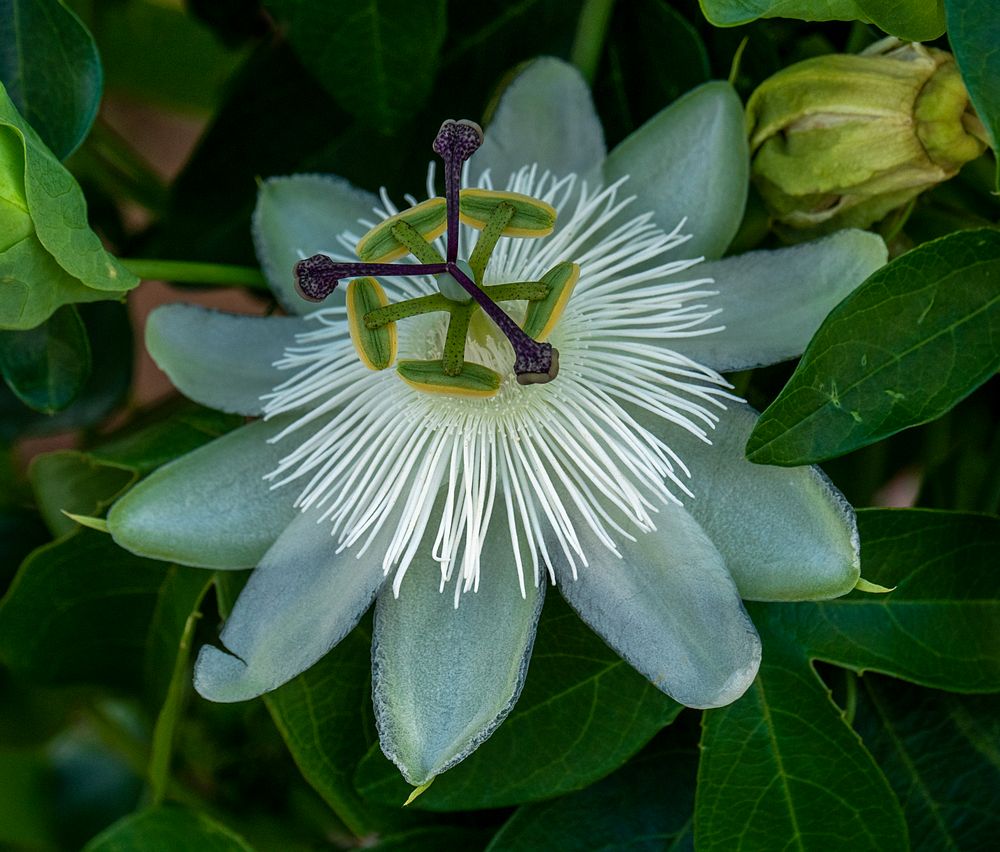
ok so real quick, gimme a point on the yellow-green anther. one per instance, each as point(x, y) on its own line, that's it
point(376, 347)
point(453, 359)
point(841, 140)
point(532, 218)
point(474, 380)
point(415, 243)
point(410, 308)
point(543, 314)
point(380, 244)
point(488, 237)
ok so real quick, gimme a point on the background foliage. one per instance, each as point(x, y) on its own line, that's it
point(874, 722)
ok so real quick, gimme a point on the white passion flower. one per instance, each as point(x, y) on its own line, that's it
point(519, 388)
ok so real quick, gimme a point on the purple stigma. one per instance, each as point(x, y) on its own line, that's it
point(455, 142)
point(317, 277)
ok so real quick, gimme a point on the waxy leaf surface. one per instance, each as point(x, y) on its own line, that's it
point(50, 66)
point(167, 829)
point(918, 336)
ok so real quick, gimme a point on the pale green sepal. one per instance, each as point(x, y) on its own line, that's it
point(300, 216)
point(668, 607)
point(690, 161)
point(224, 361)
point(99, 524)
point(302, 599)
point(786, 534)
point(864, 585)
point(773, 301)
point(212, 508)
point(545, 116)
point(445, 678)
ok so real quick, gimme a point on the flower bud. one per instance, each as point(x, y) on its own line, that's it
point(49, 256)
point(841, 140)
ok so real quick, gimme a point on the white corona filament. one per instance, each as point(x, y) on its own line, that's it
point(371, 454)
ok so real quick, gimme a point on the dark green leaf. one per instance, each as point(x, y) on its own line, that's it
point(582, 714)
point(781, 769)
point(46, 366)
point(82, 610)
point(911, 20)
point(939, 753)
point(433, 838)
point(731, 13)
point(646, 805)
point(941, 625)
point(51, 69)
point(376, 58)
point(26, 812)
point(914, 339)
point(167, 829)
point(972, 31)
point(68, 481)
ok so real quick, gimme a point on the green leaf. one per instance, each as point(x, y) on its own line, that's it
point(939, 753)
point(907, 345)
point(432, 838)
point(53, 257)
point(583, 712)
point(376, 58)
point(50, 66)
point(780, 768)
point(910, 20)
point(645, 805)
point(26, 812)
point(940, 627)
point(82, 610)
point(167, 829)
point(47, 366)
point(324, 716)
point(972, 34)
point(732, 13)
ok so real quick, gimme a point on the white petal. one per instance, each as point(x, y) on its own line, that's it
point(773, 301)
point(445, 678)
point(225, 361)
point(545, 116)
point(690, 161)
point(670, 608)
point(300, 216)
point(301, 600)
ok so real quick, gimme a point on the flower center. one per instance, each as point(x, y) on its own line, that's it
point(462, 294)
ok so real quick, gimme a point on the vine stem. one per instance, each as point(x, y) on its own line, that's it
point(188, 272)
point(588, 43)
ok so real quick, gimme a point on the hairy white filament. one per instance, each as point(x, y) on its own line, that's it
point(549, 457)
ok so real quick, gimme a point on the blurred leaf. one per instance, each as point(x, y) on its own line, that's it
point(582, 714)
point(26, 812)
point(780, 768)
point(50, 66)
point(731, 13)
point(167, 829)
point(432, 838)
point(638, 76)
point(21, 531)
point(646, 805)
point(972, 32)
point(82, 610)
point(46, 366)
point(940, 627)
point(939, 753)
point(110, 335)
point(376, 58)
point(49, 256)
point(232, 21)
point(155, 52)
point(902, 349)
point(910, 20)
point(71, 481)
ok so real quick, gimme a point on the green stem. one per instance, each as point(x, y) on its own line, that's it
point(196, 273)
point(851, 701)
point(488, 239)
point(591, 28)
point(454, 344)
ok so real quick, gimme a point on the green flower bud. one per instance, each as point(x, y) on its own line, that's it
point(839, 141)
point(49, 256)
